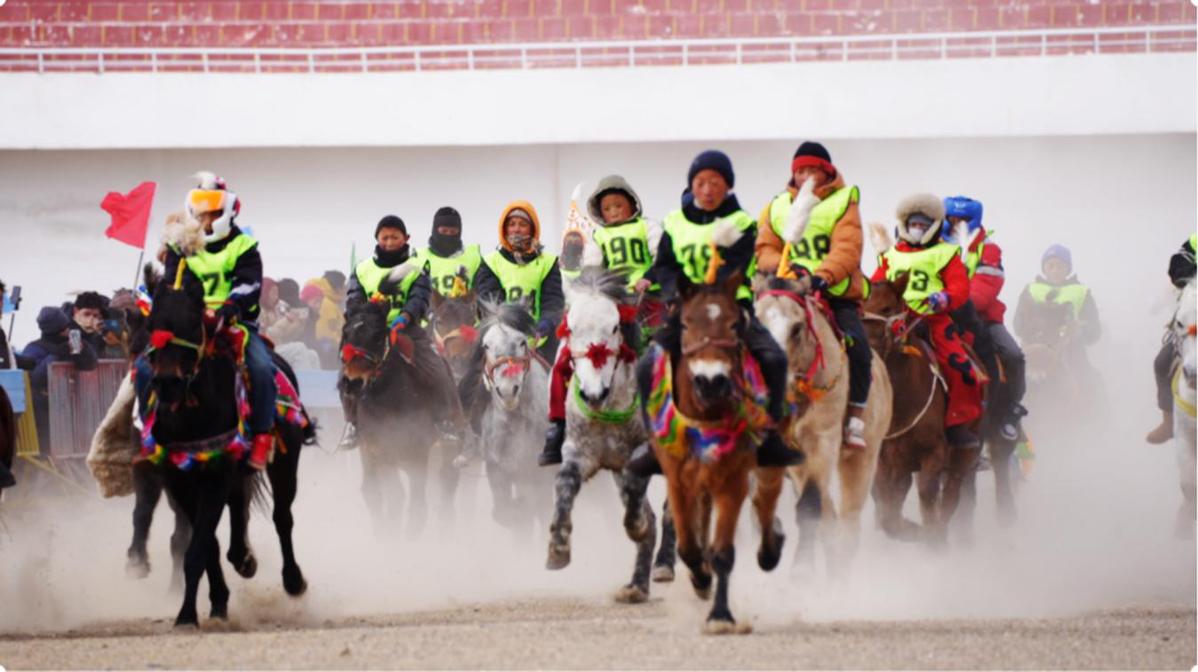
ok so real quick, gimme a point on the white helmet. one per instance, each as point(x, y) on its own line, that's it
point(212, 196)
point(920, 217)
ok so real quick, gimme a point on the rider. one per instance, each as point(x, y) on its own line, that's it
point(1181, 271)
point(983, 260)
point(230, 268)
point(446, 255)
point(937, 283)
point(829, 256)
point(1057, 310)
point(623, 237)
point(408, 300)
point(683, 253)
point(518, 269)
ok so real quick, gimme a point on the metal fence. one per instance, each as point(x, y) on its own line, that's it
point(78, 402)
point(635, 53)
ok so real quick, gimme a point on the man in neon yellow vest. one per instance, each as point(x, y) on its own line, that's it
point(829, 256)
point(937, 284)
point(684, 254)
point(446, 255)
point(1181, 272)
point(408, 300)
point(1058, 311)
point(230, 268)
point(518, 270)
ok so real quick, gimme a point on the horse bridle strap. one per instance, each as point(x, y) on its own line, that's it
point(936, 378)
point(709, 342)
point(521, 363)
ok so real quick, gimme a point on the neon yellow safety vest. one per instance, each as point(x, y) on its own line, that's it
point(371, 275)
point(521, 280)
point(923, 272)
point(1073, 294)
point(692, 246)
point(974, 257)
point(1194, 241)
point(626, 248)
point(443, 270)
point(215, 269)
point(817, 237)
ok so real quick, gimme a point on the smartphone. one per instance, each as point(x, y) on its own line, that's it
point(75, 338)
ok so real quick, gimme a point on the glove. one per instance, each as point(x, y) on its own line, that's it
point(544, 328)
point(398, 326)
point(818, 284)
point(938, 302)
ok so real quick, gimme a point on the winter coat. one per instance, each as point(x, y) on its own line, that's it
point(954, 276)
point(667, 269)
point(40, 354)
point(419, 294)
point(246, 277)
point(330, 320)
point(987, 281)
point(843, 259)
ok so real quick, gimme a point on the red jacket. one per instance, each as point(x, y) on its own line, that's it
point(954, 275)
point(987, 281)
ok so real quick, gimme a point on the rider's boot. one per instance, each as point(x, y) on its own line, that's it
point(260, 450)
point(773, 452)
point(854, 427)
point(1009, 429)
point(643, 462)
point(349, 437)
point(554, 438)
point(1164, 431)
point(959, 436)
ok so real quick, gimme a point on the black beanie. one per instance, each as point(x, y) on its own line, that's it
point(447, 216)
point(390, 222)
point(811, 148)
point(712, 159)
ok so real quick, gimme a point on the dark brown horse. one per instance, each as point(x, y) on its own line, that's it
point(706, 395)
point(915, 443)
point(451, 324)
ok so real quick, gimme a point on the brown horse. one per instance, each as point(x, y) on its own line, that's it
point(451, 324)
point(915, 443)
point(703, 394)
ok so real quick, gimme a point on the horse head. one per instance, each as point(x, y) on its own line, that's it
point(709, 366)
point(780, 305)
point(364, 340)
point(178, 336)
point(1185, 327)
point(451, 323)
point(597, 347)
point(506, 353)
point(884, 311)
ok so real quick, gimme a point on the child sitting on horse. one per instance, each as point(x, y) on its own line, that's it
point(625, 239)
point(983, 313)
point(229, 266)
point(519, 269)
point(829, 255)
point(684, 254)
point(1181, 272)
point(936, 284)
point(408, 300)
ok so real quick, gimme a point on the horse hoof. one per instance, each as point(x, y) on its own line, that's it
point(631, 594)
point(726, 627)
point(295, 585)
point(637, 526)
point(663, 574)
point(248, 566)
point(137, 569)
point(220, 613)
point(559, 556)
point(702, 586)
point(767, 558)
point(190, 620)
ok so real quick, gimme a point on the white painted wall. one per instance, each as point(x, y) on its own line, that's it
point(1066, 95)
point(1123, 202)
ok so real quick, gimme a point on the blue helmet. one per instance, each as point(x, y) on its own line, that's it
point(962, 206)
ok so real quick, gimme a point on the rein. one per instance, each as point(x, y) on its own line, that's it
point(805, 385)
point(521, 365)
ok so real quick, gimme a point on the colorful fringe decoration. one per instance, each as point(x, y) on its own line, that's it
point(708, 441)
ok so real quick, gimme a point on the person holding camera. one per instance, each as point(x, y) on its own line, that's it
point(60, 341)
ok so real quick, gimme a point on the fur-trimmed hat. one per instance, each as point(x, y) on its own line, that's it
point(928, 207)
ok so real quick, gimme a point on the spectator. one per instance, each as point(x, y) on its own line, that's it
point(87, 315)
point(336, 280)
point(5, 355)
point(269, 303)
point(325, 302)
point(60, 342)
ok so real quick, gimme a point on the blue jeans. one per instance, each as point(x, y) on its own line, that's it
point(262, 384)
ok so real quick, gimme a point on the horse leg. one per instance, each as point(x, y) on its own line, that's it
point(684, 510)
point(209, 495)
point(890, 492)
point(930, 505)
point(502, 504)
point(765, 504)
point(808, 512)
point(147, 490)
point(218, 590)
point(418, 495)
point(180, 540)
point(1000, 461)
point(448, 476)
point(240, 555)
point(284, 478)
point(961, 472)
point(632, 492)
point(663, 565)
point(727, 502)
point(855, 471)
point(372, 492)
point(567, 483)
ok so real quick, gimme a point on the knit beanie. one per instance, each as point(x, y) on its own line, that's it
point(51, 320)
point(712, 159)
point(812, 154)
point(390, 222)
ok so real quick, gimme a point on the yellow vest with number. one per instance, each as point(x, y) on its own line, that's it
point(215, 269)
point(521, 280)
point(923, 272)
point(692, 245)
point(626, 248)
point(811, 249)
point(371, 275)
point(1073, 294)
point(442, 271)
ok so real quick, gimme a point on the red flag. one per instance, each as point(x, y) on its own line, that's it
point(130, 214)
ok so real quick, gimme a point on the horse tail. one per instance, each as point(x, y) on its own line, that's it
point(257, 492)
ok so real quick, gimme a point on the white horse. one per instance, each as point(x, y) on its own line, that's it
point(818, 390)
point(1184, 327)
point(603, 423)
point(514, 423)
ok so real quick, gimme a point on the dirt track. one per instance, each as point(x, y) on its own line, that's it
point(595, 634)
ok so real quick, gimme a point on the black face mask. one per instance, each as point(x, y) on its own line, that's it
point(444, 245)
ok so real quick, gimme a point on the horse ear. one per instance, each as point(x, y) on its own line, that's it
point(686, 288)
point(733, 282)
point(761, 282)
point(900, 283)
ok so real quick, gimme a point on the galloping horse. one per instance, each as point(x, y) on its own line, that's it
point(915, 442)
point(818, 384)
point(705, 410)
point(514, 423)
point(193, 431)
point(451, 324)
point(395, 426)
point(603, 420)
point(1184, 327)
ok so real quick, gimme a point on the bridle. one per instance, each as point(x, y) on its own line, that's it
point(805, 384)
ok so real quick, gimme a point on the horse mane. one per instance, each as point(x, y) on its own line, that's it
point(598, 281)
point(511, 315)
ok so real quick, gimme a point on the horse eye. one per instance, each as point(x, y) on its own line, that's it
point(615, 328)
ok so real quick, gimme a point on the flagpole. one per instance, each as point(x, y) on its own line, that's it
point(137, 271)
